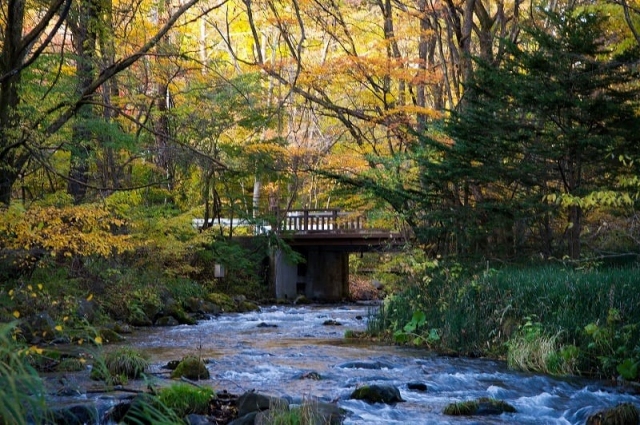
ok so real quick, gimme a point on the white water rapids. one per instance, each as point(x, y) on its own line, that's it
point(292, 341)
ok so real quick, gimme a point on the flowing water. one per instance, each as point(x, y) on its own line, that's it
point(272, 349)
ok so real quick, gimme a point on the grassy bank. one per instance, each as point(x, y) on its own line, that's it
point(545, 318)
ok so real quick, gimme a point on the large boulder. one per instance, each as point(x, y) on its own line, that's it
point(387, 394)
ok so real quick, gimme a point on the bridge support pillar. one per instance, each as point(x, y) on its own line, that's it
point(324, 276)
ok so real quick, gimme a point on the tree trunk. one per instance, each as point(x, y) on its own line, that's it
point(85, 39)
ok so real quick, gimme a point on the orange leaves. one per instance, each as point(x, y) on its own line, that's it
point(73, 230)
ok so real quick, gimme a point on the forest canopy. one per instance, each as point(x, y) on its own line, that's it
point(502, 129)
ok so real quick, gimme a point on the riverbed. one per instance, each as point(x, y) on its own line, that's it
point(279, 349)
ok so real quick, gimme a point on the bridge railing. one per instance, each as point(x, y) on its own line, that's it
point(319, 220)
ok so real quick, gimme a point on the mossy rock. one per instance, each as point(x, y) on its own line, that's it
point(191, 367)
point(246, 306)
point(109, 335)
point(481, 406)
point(167, 321)
point(622, 414)
point(223, 301)
point(387, 394)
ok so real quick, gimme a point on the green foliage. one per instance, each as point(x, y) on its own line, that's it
point(615, 344)
point(184, 399)
point(411, 333)
point(22, 392)
point(521, 312)
point(148, 410)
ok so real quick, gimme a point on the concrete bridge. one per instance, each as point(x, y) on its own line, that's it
point(324, 239)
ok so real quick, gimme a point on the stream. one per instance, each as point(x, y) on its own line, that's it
point(272, 349)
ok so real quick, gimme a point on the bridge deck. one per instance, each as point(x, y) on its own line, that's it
point(320, 227)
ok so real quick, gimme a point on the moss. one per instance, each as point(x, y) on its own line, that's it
point(377, 394)
point(223, 301)
point(622, 414)
point(481, 406)
point(191, 367)
point(109, 335)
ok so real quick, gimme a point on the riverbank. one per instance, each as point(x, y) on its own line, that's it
point(551, 319)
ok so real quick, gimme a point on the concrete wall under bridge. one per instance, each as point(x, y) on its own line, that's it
point(323, 276)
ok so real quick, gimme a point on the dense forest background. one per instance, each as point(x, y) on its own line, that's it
point(485, 129)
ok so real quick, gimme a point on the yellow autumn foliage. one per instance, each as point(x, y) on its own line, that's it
point(83, 230)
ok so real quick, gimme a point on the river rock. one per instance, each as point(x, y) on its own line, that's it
point(360, 364)
point(191, 367)
point(481, 406)
point(76, 414)
point(387, 394)
point(417, 386)
point(87, 310)
point(256, 402)
point(248, 419)
point(331, 322)
point(194, 419)
point(199, 306)
point(109, 335)
point(622, 414)
point(167, 321)
point(326, 413)
point(266, 325)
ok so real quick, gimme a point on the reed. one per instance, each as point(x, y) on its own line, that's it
point(22, 395)
point(486, 312)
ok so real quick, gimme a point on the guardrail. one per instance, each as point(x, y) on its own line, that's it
point(303, 221)
point(318, 220)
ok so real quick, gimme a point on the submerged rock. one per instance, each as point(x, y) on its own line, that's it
point(77, 414)
point(387, 394)
point(365, 365)
point(331, 322)
point(417, 386)
point(622, 414)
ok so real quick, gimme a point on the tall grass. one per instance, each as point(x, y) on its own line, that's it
point(480, 313)
point(22, 395)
